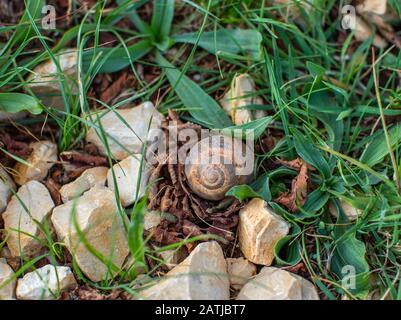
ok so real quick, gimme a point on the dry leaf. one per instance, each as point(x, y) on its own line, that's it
point(299, 189)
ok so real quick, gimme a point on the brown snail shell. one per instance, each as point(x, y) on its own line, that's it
point(214, 165)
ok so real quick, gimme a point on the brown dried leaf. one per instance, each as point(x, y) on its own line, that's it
point(299, 191)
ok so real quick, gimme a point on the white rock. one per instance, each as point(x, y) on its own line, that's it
point(6, 187)
point(372, 6)
point(151, 219)
point(45, 83)
point(127, 173)
point(363, 32)
point(46, 283)
point(89, 178)
point(240, 271)
point(240, 95)
point(97, 216)
point(34, 198)
point(259, 230)
point(351, 212)
point(41, 159)
point(126, 138)
point(6, 273)
point(276, 284)
point(201, 276)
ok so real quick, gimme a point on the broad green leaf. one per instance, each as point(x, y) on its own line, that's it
point(307, 151)
point(377, 150)
point(349, 257)
point(314, 69)
point(162, 18)
point(115, 59)
point(15, 102)
point(243, 192)
point(198, 103)
point(226, 41)
point(287, 249)
point(257, 126)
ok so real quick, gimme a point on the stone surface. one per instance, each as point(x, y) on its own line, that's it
point(102, 227)
point(201, 276)
point(89, 178)
point(7, 292)
point(34, 198)
point(127, 173)
point(240, 95)
point(126, 138)
point(45, 83)
point(240, 271)
point(363, 32)
point(372, 6)
point(276, 284)
point(351, 212)
point(151, 219)
point(45, 283)
point(6, 187)
point(41, 159)
point(259, 230)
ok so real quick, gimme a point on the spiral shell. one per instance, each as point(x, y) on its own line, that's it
point(215, 164)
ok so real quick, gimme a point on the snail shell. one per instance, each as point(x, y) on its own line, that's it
point(215, 164)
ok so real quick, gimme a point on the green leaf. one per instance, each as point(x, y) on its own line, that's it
point(307, 151)
point(226, 41)
point(377, 150)
point(314, 69)
point(287, 249)
point(115, 59)
point(129, 8)
point(243, 192)
point(15, 102)
point(198, 103)
point(349, 257)
point(135, 232)
point(257, 126)
point(162, 18)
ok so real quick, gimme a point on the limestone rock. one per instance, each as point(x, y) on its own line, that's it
point(240, 95)
point(240, 271)
point(41, 159)
point(7, 292)
point(276, 284)
point(259, 230)
point(201, 276)
point(6, 187)
point(88, 179)
point(45, 283)
point(363, 32)
point(351, 212)
point(151, 219)
point(126, 137)
point(97, 216)
point(372, 6)
point(34, 197)
point(127, 173)
point(45, 83)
